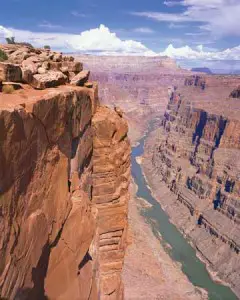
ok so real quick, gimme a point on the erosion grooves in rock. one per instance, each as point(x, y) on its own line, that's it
point(64, 176)
point(111, 173)
point(196, 154)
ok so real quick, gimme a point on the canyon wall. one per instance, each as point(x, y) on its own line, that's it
point(64, 176)
point(136, 84)
point(196, 154)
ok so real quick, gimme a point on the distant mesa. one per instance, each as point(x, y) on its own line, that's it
point(202, 70)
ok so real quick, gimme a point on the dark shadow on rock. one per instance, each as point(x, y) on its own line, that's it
point(26, 294)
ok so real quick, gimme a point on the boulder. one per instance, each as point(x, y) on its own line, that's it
point(57, 57)
point(46, 65)
point(235, 93)
point(31, 65)
point(42, 70)
point(80, 79)
point(19, 56)
point(73, 66)
point(27, 75)
point(10, 72)
point(55, 66)
point(48, 80)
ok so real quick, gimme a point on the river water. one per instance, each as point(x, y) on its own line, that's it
point(180, 250)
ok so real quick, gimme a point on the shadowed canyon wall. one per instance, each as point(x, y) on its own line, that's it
point(64, 176)
point(196, 154)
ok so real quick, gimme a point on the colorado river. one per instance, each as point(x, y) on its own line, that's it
point(180, 250)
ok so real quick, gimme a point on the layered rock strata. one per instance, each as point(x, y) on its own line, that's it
point(196, 154)
point(135, 84)
point(111, 173)
point(64, 174)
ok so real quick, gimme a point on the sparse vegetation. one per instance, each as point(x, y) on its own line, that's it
point(3, 55)
point(8, 89)
point(25, 44)
point(10, 40)
point(47, 47)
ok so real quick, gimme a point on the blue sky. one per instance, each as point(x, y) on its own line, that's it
point(204, 26)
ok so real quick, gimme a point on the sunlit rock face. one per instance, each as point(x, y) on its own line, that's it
point(64, 176)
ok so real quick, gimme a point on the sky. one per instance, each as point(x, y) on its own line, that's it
point(195, 32)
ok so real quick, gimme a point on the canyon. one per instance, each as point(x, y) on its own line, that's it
point(139, 85)
point(191, 162)
point(64, 177)
point(73, 224)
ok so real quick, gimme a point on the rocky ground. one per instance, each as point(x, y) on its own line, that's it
point(149, 272)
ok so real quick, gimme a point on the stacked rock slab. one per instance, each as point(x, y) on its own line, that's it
point(197, 155)
point(50, 221)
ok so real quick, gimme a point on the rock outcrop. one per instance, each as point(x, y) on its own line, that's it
point(235, 93)
point(40, 68)
point(64, 176)
point(196, 154)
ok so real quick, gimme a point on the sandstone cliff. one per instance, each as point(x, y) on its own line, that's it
point(64, 176)
point(196, 154)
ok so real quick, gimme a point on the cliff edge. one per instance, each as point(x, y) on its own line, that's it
point(64, 177)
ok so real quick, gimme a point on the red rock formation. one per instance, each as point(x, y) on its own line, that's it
point(196, 154)
point(111, 173)
point(63, 204)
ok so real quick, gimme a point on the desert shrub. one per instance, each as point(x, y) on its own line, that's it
point(25, 44)
point(7, 89)
point(47, 47)
point(3, 55)
point(10, 40)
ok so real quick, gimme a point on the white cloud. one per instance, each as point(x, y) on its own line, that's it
point(143, 30)
point(173, 26)
point(164, 17)
point(102, 41)
point(219, 17)
point(188, 53)
point(99, 40)
point(78, 14)
point(48, 25)
point(5, 33)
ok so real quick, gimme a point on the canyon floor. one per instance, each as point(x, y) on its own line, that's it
point(149, 272)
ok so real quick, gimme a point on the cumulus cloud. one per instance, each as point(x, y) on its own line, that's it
point(102, 41)
point(219, 17)
point(5, 33)
point(99, 40)
point(188, 53)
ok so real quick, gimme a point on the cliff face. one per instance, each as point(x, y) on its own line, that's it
point(196, 153)
point(64, 175)
point(111, 173)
